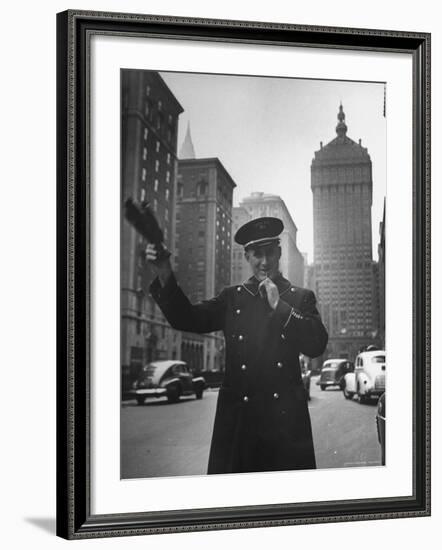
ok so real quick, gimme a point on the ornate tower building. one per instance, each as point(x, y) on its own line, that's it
point(344, 272)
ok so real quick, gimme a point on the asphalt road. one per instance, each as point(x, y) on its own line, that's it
point(162, 440)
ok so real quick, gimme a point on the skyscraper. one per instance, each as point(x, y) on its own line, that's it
point(344, 272)
point(149, 121)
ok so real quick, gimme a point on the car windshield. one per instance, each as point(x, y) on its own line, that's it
point(332, 365)
point(378, 359)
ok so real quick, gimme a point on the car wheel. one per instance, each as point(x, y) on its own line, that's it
point(140, 399)
point(347, 394)
point(362, 397)
point(173, 394)
point(323, 387)
point(199, 393)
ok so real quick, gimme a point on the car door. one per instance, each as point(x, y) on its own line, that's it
point(185, 378)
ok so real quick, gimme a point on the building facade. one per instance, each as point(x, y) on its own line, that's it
point(381, 271)
point(344, 272)
point(292, 262)
point(203, 246)
point(240, 266)
point(149, 123)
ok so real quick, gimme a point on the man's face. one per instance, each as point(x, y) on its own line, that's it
point(264, 261)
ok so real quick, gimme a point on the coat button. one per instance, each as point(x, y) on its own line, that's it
point(243, 367)
point(238, 288)
point(292, 290)
point(240, 337)
point(276, 395)
point(283, 336)
point(238, 311)
point(245, 399)
point(279, 364)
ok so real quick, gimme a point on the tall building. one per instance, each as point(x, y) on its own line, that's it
point(187, 150)
point(240, 266)
point(292, 262)
point(381, 262)
point(341, 182)
point(203, 246)
point(149, 121)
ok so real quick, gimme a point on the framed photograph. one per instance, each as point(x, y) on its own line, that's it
point(243, 274)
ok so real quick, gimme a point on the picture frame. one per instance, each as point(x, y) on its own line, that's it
point(75, 218)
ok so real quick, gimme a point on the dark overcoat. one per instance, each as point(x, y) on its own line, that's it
point(262, 421)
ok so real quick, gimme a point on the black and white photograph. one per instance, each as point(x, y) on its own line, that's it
point(252, 271)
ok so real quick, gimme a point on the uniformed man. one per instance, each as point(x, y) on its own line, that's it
point(262, 421)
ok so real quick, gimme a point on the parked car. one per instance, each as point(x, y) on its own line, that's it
point(306, 378)
point(333, 372)
point(368, 378)
point(380, 425)
point(170, 379)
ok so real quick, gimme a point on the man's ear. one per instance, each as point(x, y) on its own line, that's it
point(247, 254)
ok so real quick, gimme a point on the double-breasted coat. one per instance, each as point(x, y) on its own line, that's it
point(262, 421)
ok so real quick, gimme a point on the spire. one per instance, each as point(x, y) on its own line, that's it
point(341, 127)
point(187, 150)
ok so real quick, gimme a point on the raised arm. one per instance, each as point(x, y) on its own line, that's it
point(206, 316)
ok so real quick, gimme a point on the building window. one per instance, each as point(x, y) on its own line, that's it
point(156, 185)
point(165, 233)
point(148, 91)
point(157, 165)
point(166, 214)
point(144, 153)
point(146, 133)
point(143, 194)
point(168, 158)
point(157, 147)
point(202, 188)
point(143, 174)
point(167, 193)
point(159, 105)
point(155, 205)
point(159, 122)
point(167, 176)
point(180, 189)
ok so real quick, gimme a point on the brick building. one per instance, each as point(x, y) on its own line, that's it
point(203, 246)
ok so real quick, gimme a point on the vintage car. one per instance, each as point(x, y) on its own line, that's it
point(170, 379)
point(333, 372)
point(380, 425)
point(368, 378)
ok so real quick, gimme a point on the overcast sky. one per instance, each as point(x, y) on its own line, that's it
point(265, 132)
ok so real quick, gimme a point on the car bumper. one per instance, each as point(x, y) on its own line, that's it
point(375, 392)
point(327, 383)
point(149, 392)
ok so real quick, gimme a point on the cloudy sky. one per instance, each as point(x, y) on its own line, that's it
point(265, 132)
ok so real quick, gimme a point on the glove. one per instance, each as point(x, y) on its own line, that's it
point(142, 219)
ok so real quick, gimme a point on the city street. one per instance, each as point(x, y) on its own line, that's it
point(160, 439)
